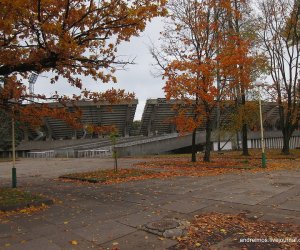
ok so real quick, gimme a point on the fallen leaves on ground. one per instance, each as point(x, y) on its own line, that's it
point(219, 165)
point(27, 210)
point(162, 168)
point(210, 229)
point(73, 242)
point(109, 176)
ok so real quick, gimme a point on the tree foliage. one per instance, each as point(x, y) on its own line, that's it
point(199, 47)
point(70, 39)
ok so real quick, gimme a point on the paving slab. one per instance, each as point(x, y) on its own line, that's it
point(291, 205)
point(283, 196)
point(141, 218)
point(245, 198)
point(140, 240)
point(38, 243)
point(188, 205)
point(281, 218)
point(95, 214)
point(64, 240)
point(104, 231)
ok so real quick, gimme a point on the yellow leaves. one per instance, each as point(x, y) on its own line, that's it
point(32, 209)
point(29, 210)
point(73, 242)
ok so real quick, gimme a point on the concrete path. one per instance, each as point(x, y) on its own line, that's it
point(110, 216)
point(54, 167)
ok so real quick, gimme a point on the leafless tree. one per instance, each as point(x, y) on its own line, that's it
point(280, 20)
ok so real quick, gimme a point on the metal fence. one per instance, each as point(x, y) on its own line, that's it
point(94, 153)
point(42, 154)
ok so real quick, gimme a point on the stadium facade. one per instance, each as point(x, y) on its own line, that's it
point(157, 132)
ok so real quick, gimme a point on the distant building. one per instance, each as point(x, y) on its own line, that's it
point(119, 115)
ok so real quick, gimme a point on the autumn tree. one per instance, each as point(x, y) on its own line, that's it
point(198, 50)
point(279, 22)
point(70, 39)
point(238, 31)
point(238, 115)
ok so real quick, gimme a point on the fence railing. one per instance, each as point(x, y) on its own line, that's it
point(275, 142)
point(41, 154)
point(94, 153)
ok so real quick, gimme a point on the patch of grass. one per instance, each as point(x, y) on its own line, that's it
point(109, 175)
point(15, 197)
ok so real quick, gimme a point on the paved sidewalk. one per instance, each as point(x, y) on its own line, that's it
point(107, 216)
point(54, 167)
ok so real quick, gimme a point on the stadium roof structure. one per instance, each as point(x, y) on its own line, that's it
point(158, 114)
point(120, 115)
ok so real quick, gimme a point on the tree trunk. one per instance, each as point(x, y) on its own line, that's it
point(245, 140)
point(206, 157)
point(287, 128)
point(194, 149)
point(286, 142)
point(244, 129)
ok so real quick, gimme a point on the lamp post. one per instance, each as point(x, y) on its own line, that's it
point(263, 154)
point(14, 170)
point(13, 139)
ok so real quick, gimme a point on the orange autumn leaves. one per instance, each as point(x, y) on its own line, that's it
point(204, 49)
point(163, 168)
point(70, 39)
point(207, 230)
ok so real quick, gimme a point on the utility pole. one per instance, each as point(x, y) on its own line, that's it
point(14, 170)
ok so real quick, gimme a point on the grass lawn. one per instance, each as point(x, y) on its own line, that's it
point(14, 197)
point(110, 176)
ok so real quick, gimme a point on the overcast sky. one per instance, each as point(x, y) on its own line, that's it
point(137, 78)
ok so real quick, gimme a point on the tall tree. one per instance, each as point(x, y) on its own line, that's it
point(241, 30)
point(196, 52)
point(70, 39)
point(280, 20)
